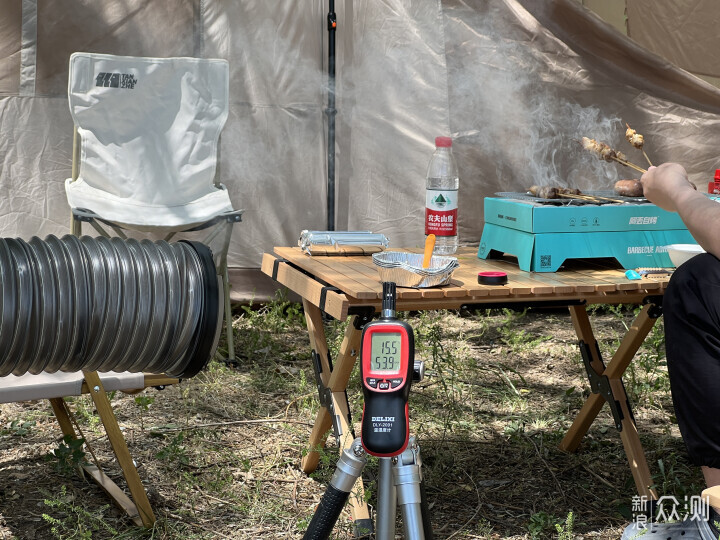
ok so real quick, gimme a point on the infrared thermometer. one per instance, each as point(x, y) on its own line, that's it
point(387, 352)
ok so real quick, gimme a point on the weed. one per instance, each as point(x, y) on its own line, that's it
point(19, 428)
point(431, 336)
point(175, 452)
point(85, 410)
point(648, 376)
point(565, 531)
point(277, 315)
point(69, 455)
point(143, 402)
point(675, 477)
point(518, 339)
point(74, 521)
point(541, 524)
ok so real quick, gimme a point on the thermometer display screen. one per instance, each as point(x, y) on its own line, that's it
point(385, 352)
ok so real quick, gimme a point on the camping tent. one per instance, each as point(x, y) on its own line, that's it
point(515, 82)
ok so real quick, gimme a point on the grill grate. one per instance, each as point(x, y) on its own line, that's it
point(563, 201)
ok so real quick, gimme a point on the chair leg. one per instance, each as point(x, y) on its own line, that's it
point(62, 414)
point(228, 316)
point(117, 441)
point(75, 225)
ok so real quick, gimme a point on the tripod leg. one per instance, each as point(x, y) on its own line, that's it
point(349, 468)
point(408, 482)
point(386, 501)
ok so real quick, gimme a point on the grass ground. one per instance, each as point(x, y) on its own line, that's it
point(219, 453)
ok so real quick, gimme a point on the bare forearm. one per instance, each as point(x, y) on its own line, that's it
point(701, 215)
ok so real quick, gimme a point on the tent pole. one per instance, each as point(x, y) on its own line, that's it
point(331, 112)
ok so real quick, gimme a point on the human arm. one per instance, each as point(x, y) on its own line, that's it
point(668, 187)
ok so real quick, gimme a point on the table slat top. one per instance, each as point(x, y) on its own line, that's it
point(357, 277)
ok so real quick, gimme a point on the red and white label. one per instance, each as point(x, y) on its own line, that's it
point(441, 212)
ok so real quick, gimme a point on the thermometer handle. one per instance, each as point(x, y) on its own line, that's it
point(385, 423)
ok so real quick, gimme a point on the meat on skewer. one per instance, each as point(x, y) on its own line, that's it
point(601, 150)
point(634, 138)
point(544, 192)
point(552, 192)
point(637, 140)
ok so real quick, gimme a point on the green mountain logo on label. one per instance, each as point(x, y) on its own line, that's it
point(440, 201)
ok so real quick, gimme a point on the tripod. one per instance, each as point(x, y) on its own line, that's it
point(387, 369)
point(399, 483)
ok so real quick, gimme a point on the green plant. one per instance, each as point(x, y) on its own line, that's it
point(143, 402)
point(69, 454)
point(518, 339)
point(565, 531)
point(84, 408)
point(74, 521)
point(540, 524)
point(276, 315)
point(19, 428)
point(676, 477)
point(430, 341)
point(175, 452)
point(648, 376)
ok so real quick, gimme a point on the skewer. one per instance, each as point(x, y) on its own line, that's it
point(608, 199)
point(593, 198)
point(580, 197)
point(646, 157)
point(628, 164)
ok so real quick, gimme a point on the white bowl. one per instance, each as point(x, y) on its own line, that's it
point(679, 253)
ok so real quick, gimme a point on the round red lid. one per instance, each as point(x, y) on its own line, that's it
point(443, 142)
point(492, 278)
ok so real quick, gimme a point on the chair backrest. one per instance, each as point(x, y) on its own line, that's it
point(149, 127)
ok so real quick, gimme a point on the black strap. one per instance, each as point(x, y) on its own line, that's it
point(276, 265)
point(323, 295)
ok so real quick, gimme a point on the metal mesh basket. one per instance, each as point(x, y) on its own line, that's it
point(405, 269)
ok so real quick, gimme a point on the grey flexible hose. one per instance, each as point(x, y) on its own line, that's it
point(107, 304)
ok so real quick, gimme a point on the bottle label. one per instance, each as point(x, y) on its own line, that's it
point(441, 212)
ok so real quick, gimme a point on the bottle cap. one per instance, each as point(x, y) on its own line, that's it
point(443, 142)
point(717, 175)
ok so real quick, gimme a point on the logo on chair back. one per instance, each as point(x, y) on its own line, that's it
point(116, 80)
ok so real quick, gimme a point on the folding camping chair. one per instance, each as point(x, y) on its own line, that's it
point(145, 159)
point(145, 151)
point(56, 386)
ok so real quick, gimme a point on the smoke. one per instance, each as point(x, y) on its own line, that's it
point(525, 123)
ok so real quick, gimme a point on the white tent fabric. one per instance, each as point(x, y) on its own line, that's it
point(513, 81)
point(149, 130)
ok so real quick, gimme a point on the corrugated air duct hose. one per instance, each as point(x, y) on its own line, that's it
point(107, 304)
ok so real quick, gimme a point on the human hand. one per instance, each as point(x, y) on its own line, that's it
point(666, 185)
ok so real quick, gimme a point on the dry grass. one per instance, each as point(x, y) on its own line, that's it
point(220, 452)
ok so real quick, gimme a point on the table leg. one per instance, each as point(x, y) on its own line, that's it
point(335, 382)
point(620, 361)
point(323, 421)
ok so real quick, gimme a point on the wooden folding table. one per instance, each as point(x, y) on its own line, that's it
point(350, 286)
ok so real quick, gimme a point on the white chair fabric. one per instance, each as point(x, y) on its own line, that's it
point(149, 131)
point(57, 385)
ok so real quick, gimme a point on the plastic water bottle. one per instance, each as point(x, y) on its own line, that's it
point(441, 198)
